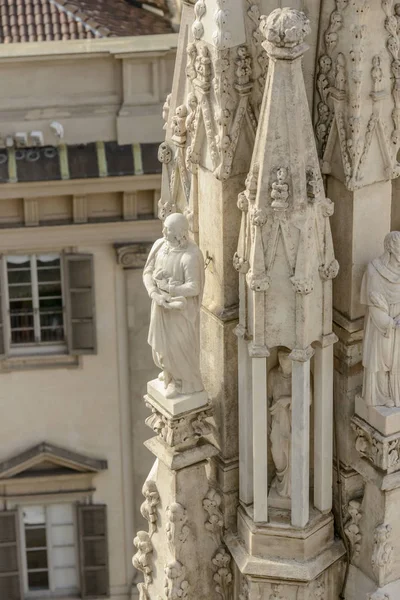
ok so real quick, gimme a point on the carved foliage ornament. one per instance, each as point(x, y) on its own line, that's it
point(176, 528)
point(392, 12)
point(352, 528)
point(176, 587)
point(285, 28)
point(382, 451)
point(149, 506)
point(197, 27)
point(382, 554)
point(215, 521)
point(182, 432)
point(142, 559)
point(222, 573)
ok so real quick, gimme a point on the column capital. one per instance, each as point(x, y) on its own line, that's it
point(132, 255)
point(256, 351)
point(302, 354)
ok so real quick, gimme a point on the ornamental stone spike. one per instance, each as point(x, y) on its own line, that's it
point(285, 256)
point(289, 247)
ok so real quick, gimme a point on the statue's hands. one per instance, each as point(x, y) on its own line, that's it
point(158, 298)
point(163, 285)
point(161, 299)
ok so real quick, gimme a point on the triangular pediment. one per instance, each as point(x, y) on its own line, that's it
point(46, 459)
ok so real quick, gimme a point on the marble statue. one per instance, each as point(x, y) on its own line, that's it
point(174, 279)
point(280, 397)
point(380, 293)
point(280, 409)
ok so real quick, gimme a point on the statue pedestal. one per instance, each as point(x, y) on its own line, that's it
point(277, 501)
point(181, 403)
point(383, 419)
point(182, 554)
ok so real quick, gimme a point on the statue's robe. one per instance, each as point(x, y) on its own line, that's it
point(380, 292)
point(174, 334)
point(280, 395)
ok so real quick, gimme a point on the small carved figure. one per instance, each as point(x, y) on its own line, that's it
point(203, 67)
point(377, 73)
point(243, 66)
point(380, 293)
point(165, 110)
point(280, 190)
point(179, 124)
point(340, 78)
point(191, 118)
point(174, 279)
point(191, 60)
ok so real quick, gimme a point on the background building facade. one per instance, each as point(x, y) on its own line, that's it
point(80, 127)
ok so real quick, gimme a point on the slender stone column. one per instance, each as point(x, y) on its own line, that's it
point(260, 431)
point(323, 427)
point(245, 421)
point(300, 438)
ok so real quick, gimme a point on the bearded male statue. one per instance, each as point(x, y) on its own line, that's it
point(380, 292)
point(174, 279)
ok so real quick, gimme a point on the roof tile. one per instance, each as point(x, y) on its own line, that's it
point(38, 20)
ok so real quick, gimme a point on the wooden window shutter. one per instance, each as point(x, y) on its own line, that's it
point(10, 557)
point(3, 311)
point(80, 303)
point(93, 550)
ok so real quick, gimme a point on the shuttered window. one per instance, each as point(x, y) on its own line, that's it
point(2, 315)
point(47, 303)
point(93, 546)
point(79, 278)
point(34, 300)
point(10, 571)
point(50, 553)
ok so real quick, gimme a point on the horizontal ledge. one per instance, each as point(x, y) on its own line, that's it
point(289, 570)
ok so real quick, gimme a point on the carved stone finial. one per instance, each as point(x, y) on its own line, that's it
point(285, 30)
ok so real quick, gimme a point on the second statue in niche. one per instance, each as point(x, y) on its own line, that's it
point(174, 279)
point(280, 410)
point(380, 293)
point(280, 397)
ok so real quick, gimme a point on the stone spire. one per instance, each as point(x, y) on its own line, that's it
point(286, 245)
point(286, 265)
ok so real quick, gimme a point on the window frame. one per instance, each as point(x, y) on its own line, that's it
point(80, 331)
point(73, 592)
point(31, 348)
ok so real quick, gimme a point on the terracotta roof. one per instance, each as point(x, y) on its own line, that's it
point(50, 20)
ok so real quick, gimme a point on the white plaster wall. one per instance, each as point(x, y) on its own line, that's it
point(79, 409)
point(141, 370)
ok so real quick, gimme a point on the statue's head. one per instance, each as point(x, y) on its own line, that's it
point(285, 362)
point(176, 229)
point(392, 244)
